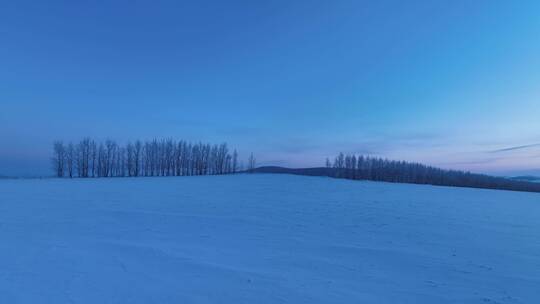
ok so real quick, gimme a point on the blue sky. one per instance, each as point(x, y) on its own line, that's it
point(448, 83)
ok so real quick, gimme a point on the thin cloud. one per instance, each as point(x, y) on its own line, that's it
point(515, 148)
point(471, 162)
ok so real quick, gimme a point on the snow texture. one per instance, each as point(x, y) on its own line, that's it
point(265, 239)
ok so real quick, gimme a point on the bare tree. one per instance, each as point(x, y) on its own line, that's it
point(251, 163)
point(70, 158)
point(235, 162)
point(130, 160)
point(59, 158)
point(93, 156)
point(137, 157)
point(82, 157)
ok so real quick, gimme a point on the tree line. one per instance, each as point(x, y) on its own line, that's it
point(378, 169)
point(163, 157)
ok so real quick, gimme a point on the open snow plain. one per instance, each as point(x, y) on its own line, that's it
point(265, 239)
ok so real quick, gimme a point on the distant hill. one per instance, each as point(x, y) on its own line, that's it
point(444, 177)
point(317, 171)
point(527, 178)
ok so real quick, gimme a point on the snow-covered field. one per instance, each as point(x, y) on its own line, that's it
point(265, 239)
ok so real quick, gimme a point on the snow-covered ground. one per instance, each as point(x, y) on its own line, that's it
point(265, 239)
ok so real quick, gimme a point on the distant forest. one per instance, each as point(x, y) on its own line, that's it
point(163, 157)
point(378, 169)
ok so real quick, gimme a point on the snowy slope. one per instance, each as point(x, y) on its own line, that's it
point(265, 239)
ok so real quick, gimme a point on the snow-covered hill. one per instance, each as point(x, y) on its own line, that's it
point(265, 239)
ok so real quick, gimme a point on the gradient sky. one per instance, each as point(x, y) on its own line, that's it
point(454, 84)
